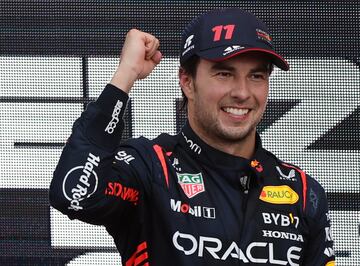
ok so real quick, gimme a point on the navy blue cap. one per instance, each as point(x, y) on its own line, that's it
point(224, 33)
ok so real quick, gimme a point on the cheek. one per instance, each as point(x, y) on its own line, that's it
point(209, 101)
point(262, 96)
point(205, 95)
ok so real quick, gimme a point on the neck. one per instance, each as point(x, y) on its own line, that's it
point(244, 147)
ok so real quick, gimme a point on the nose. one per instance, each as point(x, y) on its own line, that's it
point(240, 89)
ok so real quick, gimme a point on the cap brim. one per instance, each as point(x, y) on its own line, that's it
point(213, 55)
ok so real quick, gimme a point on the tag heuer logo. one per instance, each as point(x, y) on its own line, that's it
point(192, 184)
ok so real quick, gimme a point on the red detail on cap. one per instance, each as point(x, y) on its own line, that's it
point(303, 180)
point(264, 35)
point(217, 32)
point(263, 194)
point(229, 30)
point(160, 155)
point(285, 64)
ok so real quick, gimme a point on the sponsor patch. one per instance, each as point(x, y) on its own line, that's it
point(81, 182)
point(313, 199)
point(192, 184)
point(196, 211)
point(253, 253)
point(289, 177)
point(123, 156)
point(188, 45)
point(176, 164)
point(279, 195)
point(262, 35)
point(110, 128)
point(329, 251)
point(280, 219)
point(328, 234)
point(330, 263)
point(125, 193)
point(233, 48)
point(283, 235)
point(193, 146)
point(255, 164)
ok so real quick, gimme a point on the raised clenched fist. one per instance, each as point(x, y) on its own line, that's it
point(139, 57)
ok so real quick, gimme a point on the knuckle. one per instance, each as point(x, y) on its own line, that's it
point(132, 32)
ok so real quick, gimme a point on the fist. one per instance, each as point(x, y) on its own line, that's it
point(139, 54)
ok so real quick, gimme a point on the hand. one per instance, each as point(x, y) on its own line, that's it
point(139, 57)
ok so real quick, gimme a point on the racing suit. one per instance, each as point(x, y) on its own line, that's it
point(175, 200)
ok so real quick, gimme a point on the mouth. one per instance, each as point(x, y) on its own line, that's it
point(235, 111)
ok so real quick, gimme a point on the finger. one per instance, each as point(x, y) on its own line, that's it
point(156, 58)
point(151, 48)
point(149, 40)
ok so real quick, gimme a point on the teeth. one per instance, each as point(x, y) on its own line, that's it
point(236, 111)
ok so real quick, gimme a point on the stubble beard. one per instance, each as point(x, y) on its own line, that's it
point(216, 132)
point(211, 127)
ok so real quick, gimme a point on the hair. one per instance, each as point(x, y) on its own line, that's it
point(190, 68)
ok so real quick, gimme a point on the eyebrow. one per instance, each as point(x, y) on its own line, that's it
point(262, 68)
point(222, 66)
point(265, 67)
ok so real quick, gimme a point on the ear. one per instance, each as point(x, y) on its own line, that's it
point(186, 83)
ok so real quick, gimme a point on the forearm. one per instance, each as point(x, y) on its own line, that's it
point(124, 78)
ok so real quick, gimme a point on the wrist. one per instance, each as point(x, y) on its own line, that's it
point(124, 78)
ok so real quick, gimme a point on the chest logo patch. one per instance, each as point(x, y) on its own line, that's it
point(192, 184)
point(279, 195)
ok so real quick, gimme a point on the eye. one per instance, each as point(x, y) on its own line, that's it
point(258, 76)
point(224, 74)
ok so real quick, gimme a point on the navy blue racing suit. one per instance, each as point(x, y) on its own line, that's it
point(175, 200)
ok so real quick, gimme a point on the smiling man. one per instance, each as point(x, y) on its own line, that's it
point(226, 101)
point(210, 195)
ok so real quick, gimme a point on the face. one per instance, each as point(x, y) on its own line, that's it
point(226, 100)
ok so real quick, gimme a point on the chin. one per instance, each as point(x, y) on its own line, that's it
point(235, 134)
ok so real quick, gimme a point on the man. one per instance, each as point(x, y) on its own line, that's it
point(210, 195)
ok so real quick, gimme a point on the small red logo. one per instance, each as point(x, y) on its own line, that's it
point(255, 164)
point(263, 194)
point(263, 35)
point(125, 193)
